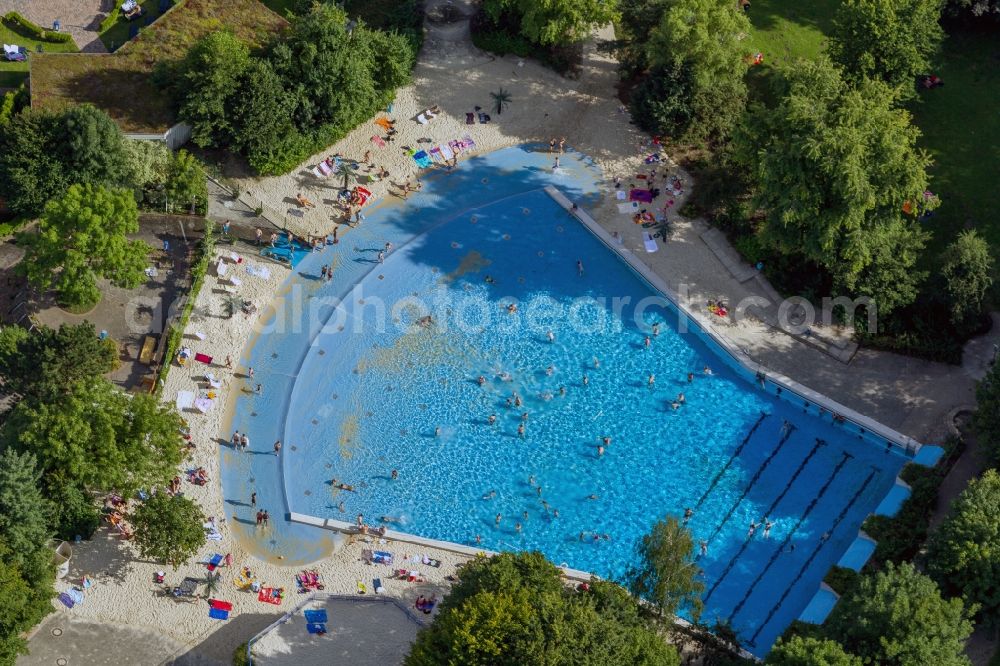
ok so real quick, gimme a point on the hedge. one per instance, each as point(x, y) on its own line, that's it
point(199, 268)
point(36, 31)
point(110, 19)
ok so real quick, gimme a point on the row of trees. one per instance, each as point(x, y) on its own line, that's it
point(324, 77)
point(70, 437)
point(42, 154)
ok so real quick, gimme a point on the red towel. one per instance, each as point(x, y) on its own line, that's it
point(220, 605)
point(203, 358)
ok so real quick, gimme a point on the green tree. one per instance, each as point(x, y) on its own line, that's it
point(99, 437)
point(890, 40)
point(168, 528)
point(799, 651)
point(705, 37)
point(665, 573)
point(24, 513)
point(835, 165)
point(986, 420)
point(48, 362)
point(146, 163)
point(897, 617)
point(205, 84)
point(662, 103)
point(514, 609)
point(964, 552)
point(91, 146)
point(186, 185)
point(967, 269)
point(262, 114)
point(638, 18)
point(81, 237)
point(554, 22)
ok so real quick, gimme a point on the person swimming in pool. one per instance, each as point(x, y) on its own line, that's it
point(481, 380)
point(497, 520)
point(586, 380)
point(688, 512)
point(524, 416)
point(767, 528)
point(597, 363)
point(752, 529)
point(651, 380)
point(680, 398)
point(520, 430)
point(656, 329)
point(509, 403)
point(506, 376)
point(551, 336)
point(511, 308)
point(707, 370)
point(600, 451)
point(606, 440)
point(562, 390)
point(646, 342)
point(394, 475)
point(489, 280)
point(550, 370)
point(703, 547)
point(579, 267)
point(675, 405)
point(492, 419)
point(490, 495)
point(517, 400)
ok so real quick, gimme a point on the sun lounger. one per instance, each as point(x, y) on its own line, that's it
point(650, 243)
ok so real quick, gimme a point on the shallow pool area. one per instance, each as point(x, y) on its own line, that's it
point(407, 389)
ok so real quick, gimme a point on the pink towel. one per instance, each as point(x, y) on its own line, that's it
point(378, 141)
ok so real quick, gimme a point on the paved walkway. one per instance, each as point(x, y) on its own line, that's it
point(80, 18)
point(63, 640)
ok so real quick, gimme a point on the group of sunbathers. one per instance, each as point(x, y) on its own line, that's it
point(198, 477)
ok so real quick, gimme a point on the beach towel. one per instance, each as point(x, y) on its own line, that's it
point(384, 123)
point(218, 614)
point(650, 243)
point(67, 600)
point(203, 358)
point(431, 562)
point(640, 195)
point(316, 628)
point(446, 152)
point(382, 557)
point(378, 141)
point(620, 195)
point(470, 118)
point(259, 271)
point(627, 208)
point(653, 159)
point(422, 159)
point(204, 405)
point(363, 194)
point(220, 605)
point(377, 584)
point(221, 268)
point(468, 143)
point(214, 562)
point(361, 588)
point(325, 168)
point(455, 146)
point(484, 118)
point(422, 119)
point(315, 616)
point(269, 596)
point(185, 399)
point(316, 172)
point(436, 153)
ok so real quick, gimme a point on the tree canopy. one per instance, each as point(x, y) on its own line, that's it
point(964, 552)
point(665, 573)
point(514, 609)
point(554, 22)
point(24, 513)
point(168, 528)
point(324, 77)
point(986, 420)
point(799, 651)
point(897, 617)
point(891, 40)
point(99, 436)
point(835, 165)
point(42, 154)
point(47, 363)
point(967, 269)
point(83, 236)
point(704, 35)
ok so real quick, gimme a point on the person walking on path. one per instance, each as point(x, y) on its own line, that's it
point(265, 517)
point(253, 500)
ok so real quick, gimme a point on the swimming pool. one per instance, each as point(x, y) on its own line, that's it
point(357, 388)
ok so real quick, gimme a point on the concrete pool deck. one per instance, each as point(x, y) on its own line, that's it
point(909, 395)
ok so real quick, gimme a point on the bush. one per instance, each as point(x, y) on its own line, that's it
point(74, 511)
point(901, 537)
point(841, 579)
point(111, 18)
point(502, 37)
point(37, 32)
point(168, 528)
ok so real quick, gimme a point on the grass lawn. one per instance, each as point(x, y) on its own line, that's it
point(121, 31)
point(960, 122)
point(120, 83)
point(13, 74)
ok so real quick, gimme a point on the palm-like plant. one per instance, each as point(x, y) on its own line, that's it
point(211, 583)
point(348, 170)
point(233, 304)
point(500, 98)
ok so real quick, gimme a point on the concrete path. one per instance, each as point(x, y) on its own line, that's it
point(63, 640)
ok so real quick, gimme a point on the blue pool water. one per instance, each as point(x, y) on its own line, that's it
point(355, 389)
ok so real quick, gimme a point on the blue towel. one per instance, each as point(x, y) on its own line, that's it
point(218, 614)
point(315, 616)
point(314, 628)
point(65, 598)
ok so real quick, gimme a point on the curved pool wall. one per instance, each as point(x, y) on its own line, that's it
point(747, 581)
